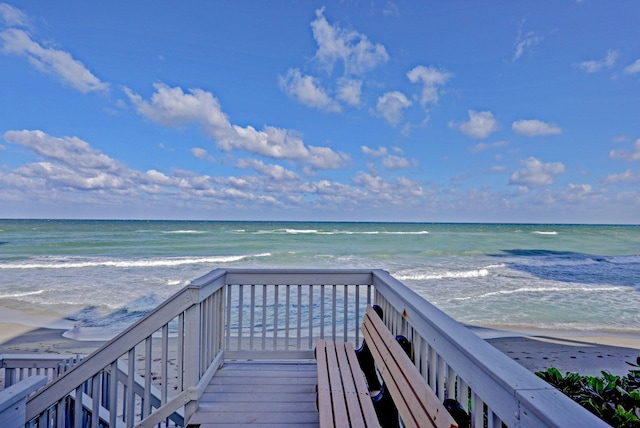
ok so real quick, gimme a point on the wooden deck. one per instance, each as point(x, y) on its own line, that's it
point(260, 394)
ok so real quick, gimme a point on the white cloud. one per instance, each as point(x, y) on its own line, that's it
point(380, 151)
point(356, 52)
point(390, 9)
point(12, 17)
point(307, 91)
point(393, 162)
point(536, 174)
point(535, 128)
point(391, 105)
point(524, 42)
point(52, 61)
point(628, 176)
point(480, 147)
point(69, 151)
point(276, 172)
point(202, 154)
point(633, 68)
point(70, 166)
point(350, 91)
point(396, 162)
point(382, 192)
point(432, 80)
point(480, 124)
point(68, 162)
point(627, 155)
point(597, 65)
point(173, 107)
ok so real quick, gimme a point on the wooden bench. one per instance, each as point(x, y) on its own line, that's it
point(343, 398)
point(417, 404)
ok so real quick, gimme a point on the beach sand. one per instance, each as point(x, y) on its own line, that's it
point(585, 353)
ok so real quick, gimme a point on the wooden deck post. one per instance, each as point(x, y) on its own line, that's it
point(13, 400)
point(192, 354)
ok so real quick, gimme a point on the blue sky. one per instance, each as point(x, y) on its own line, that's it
point(483, 111)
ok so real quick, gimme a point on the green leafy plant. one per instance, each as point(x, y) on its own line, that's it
point(614, 399)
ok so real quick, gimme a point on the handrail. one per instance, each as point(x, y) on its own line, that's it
point(21, 366)
point(276, 313)
point(184, 306)
point(452, 358)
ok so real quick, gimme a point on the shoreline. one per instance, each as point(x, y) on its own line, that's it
point(587, 353)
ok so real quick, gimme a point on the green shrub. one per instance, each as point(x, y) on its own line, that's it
point(615, 399)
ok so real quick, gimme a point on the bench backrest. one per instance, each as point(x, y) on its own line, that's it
point(416, 402)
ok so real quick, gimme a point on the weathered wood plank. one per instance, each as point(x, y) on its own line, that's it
point(416, 402)
point(349, 387)
point(364, 397)
point(325, 407)
point(349, 403)
point(260, 394)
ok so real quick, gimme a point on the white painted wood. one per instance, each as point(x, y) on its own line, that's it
point(243, 394)
point(13, 400)
point(442, 347)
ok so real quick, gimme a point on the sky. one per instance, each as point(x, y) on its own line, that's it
point(430, 111)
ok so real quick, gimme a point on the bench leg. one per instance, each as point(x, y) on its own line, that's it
point(368, 367)
point(385, 409)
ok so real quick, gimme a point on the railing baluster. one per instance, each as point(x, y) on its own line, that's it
point(131, 396)
point(240, 311)
point(333, 312)
point(451, 383)
point(322, 310)
point(286, 315)
point(299, 321)
point(228, 313)
point(113, 394)
point(164, 364)
point(95, 400)
point(252, 320)
point(432, 368)
point(478, 411)
point(264, 317)
point(357, 320)
point(441, 377)
point(205, 325)
point(463, 395)
point(77, 407)
point(345, 314)
point(275, 316)
point(311, 300)
point(180, 356)
point(61, 413)
point(146, 409)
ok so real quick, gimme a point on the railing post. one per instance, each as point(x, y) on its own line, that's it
point(13, 400)
point(192, 354)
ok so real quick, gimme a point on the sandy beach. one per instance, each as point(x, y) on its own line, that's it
point(585, 353)
point(578, 352)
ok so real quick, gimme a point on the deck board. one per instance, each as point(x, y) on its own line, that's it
point(260, 394)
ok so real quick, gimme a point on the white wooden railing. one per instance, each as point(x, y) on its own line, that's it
point(18, 367)
point(241, 313)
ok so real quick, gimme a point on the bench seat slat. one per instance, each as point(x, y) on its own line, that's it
point(349, 387)
point(335, 385)
point(325, 407)
point(416, 402)
point(364, 397)
point(343, 398)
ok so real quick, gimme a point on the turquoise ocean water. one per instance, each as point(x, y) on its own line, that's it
point(100, 276)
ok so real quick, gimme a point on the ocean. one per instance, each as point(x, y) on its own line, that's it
point(98, 277)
